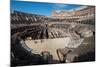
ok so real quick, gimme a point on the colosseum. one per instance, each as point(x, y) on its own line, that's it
point(64, 37)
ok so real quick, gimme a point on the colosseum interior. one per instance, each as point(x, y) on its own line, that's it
point(65, 37)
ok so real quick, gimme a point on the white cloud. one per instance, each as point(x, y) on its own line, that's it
point(59, 6)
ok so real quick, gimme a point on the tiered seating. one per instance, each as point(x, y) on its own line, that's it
point(25, 18)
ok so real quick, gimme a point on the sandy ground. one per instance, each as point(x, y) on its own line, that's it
point(47, 45)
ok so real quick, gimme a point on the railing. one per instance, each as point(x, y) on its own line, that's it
point(25, 46)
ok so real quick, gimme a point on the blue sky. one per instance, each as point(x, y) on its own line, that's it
point(40, 7)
